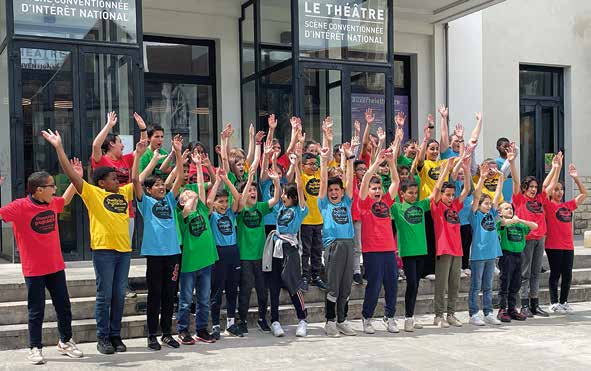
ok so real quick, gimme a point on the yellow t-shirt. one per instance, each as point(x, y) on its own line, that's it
point(334, 163)
point(489, 186)
point(429, 174)
point(109, 218)
point(311, 185)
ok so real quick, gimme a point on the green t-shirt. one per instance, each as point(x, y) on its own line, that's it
point(147, 157)
point(199, 250)
point(251, 231)
point(512, 236)
point(410, 226)
point(402, 160)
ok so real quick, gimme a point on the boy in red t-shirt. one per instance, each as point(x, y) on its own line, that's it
point(448, 264)
point(35, 225)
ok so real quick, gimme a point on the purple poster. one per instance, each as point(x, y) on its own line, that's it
point(360, 103)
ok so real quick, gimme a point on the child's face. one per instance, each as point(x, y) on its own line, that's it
point(287, 202)
point(433, 151)
point(410, 195)
point(492, 166)
point(157, 190)
point(447, 197)
point(403, 174)
point(220, 204)
point(461, 175)
point(110, 183)
point(335, 193)
point(375, 191)
point(184, 197)
point(531, 190)
point(238, 167)
point(310, 166)
point(410, 151)
point(186, 174)
point(360, 171)
point(506, 210)
point(485, 206)
point(502, 148)
point(252, 196)
point(455, 144)
point(557, 193)
point(337, 156)
point(336, 173)
point(313, 149)
point(384, 169)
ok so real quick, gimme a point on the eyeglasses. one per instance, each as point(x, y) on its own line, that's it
point(48, 185)
point(311, 164)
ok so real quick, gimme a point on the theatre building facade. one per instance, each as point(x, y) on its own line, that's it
point(192, 66)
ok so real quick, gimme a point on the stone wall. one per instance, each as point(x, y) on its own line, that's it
point(582, 216)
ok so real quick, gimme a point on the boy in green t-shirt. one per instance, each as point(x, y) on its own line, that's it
point(512, 232)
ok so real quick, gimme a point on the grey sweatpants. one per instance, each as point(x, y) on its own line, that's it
point(357, 247)
point(447, 278)
point(338, 257)
point(531, 265)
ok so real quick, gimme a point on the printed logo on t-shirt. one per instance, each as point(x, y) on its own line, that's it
point(285, 217)
point(161, 210)
point(514, 234)
point(491, 184)
point(380, 210)
point(534, 206)
point(488, 223)
point(313, 186)
point(451, 216)
point(564, 215)
point(44, 222)
point(225, 225)
point(340, 215)
point(434, 172)
point(386, 182)
point(252, 218)
point(197, 226)
point(414, 215)
point(115, 203)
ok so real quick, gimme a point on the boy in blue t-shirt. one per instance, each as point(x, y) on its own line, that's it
point(225, 275)
point(334, 202)
point(160, 246)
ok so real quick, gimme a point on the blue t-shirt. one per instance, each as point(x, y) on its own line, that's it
point(160, 237)
point(507, 183)
point(223, 227)
point(289, 219)
point(267, 189)
point(464, 214)
point(337, 219)
point(485, 239)
point(448, 153)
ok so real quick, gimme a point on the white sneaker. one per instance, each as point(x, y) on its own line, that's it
point(416, 324)
point(568, 308)
point(69, 349)
point(331, 329)
point(367, 326)
point(463, 274)
point(476, 320)
point(345, 328)
point(409, 324)
point(36, 356)
point(430, 277)
point(468, 272)
point(557, 308)
point(302, 330)
point(491, 319)
point(276, 329)
point(391, 325)
point(440, 322)
point(497, 271)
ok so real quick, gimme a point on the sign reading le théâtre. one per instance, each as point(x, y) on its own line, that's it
point(345, 21)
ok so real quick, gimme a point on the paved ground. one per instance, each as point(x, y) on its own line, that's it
point(559, 342)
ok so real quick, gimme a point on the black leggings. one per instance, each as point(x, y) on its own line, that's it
point(466, 235)
point(413, 267)
point(275, 283)
point(561, 265)
point(429, 260)
point(162, 274)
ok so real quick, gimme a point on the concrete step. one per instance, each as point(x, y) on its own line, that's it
point(83, 308)
point(16, 336)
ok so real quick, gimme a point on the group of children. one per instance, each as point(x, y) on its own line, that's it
point(266, 221)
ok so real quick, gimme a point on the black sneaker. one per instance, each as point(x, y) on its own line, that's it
point(169, 340)
point(264, 326)
point(319, 283)
point(205, 337)
point(215, 332)
point(243, 327)
point(357, 279)
point(304, 286)
point(153, 343)
point(104, 346)
point(185, 338)
point(234, 330)
point(118, 344)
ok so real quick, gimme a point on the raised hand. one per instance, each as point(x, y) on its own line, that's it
point(77, 165)
point(259, 136)
point(443, 111)
point(381, 134)
point(205, 161)
point(557, 160)
point(324, 153)
point(295, 122)
point(483, 169)
point(272, 121)
point(196, 158)
point(222, 173)
point(430, 121)
point(299, 147)
point(251, 130)
point(301, 137)
point(268, 148)
point(427, 131)
point(511, 152)
point(400, 119)
point(141, 146)
point(327, 124)
point(177, 143)
point(218, 149)
point(354, 143)
point(572, 171)
point(139, 121)
point(186, 156)
point(53, 138)
point(478, 116)
point(357, 126)
point(369, 116)
point(272, 174)
point(459, 131)
point(293, 158)
point(111, 119)
point(347, 150)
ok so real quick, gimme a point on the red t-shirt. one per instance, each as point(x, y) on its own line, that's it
point(447, 227)
point(532, 210)
point(193, 174)
point(376, 225)
point(355, 207)
point(122, 167)
point(559, 219)
point(366, 157)
point(283, 160)
point(35, 227)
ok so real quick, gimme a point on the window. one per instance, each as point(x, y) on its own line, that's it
point(402, 90)
point(247, 50)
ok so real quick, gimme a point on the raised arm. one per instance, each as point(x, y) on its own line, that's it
point(580, 198)
point(476, 132)
point(327, 135)
point(136, 179)
point(267, 153)
point(369, 119)
point(294, 159)
point(324, 151)
point(233, 191)
point(350, 159)
point(251, 142)
point(554, 174)
point(190, 205)
point(498, 190)
point(364, 187)
point(213, 190)
point(151, 166)
point(272, 123)
point(141, 125)
point(98, 141)
point(419, 160)
point(71, 190)
point(478, 189)
point(514, 175)
point(444, 142)
point(467, 179)
point(177, 146)
point(296, 128)
point(198, 160)
point(226, 133)
point(56, 141)
point(256, 161)
point(277, 187)
point(245, 192)
point(436, 194)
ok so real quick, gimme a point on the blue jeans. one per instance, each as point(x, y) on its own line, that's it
point(111, 269)
point(201, 281)
point(380, 269)
point(482, 277)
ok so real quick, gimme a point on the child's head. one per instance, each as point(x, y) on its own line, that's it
point(506, 210)
point(185, 196)
point(384, 169)
point(492, 166)
point(237, 161)
point(502, 146)
point(403, 172)
point(360, 169)
point(485, 203)
point(335, 172)
point(312, 147)
point(336, 153)
point(289, 196)
point(410, 148)
point(335, 190)
point(41, 186)
point(113, 145)
point(186, 179)
point(448, 191)
point(220, 202)
point(309, 163)
point(197, 148)
point(410, 190)
point(375, 188)
point(529, 186)
point(557, 192)
point(155, 186)
point(432, 149)
point(252, 192)
point(156, 136)
point(105, 177)
point(454, 143)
